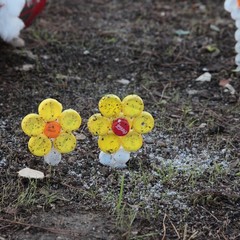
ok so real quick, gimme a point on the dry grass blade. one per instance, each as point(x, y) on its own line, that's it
point(53, 230)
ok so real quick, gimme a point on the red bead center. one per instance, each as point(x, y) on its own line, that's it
point(120, 126)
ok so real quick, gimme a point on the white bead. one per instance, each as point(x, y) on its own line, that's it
point(115, 160)
point(53, 157)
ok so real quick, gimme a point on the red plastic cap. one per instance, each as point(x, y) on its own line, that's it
point(31, 10)
point(120, 126)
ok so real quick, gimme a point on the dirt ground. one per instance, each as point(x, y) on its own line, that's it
point(184, 182)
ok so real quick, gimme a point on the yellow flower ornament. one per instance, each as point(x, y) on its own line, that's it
point(50, 131)
point(120, 125)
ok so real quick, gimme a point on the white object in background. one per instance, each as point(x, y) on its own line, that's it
point(116, 160)
point(31, 173)
point(229, 5)
point(237, 59)
point(205, 77)
point(235, 13)
point(10, 23)
point(237, 35)
point(237, 23)
point(237, 47)
point(53, 158)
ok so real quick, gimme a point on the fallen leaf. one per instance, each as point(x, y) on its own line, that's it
point(206, 77)
point(192, 92)
point(123, 81)
point(230, 88)
point(212, 48)
point(80, 136)
point(202, 125)
point(181, 32)
point(25, 67)
point(31, 173)
point(214, 28)
point(226, 84)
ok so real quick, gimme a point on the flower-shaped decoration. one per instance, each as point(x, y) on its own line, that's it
point(120, 126)
point(50, 131)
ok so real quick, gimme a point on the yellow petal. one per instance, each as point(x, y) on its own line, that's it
point(32, 124)
point(98, 124)
point(109, 143)
point(110, 105)
point(129, 119)
point(132, 105)
point(39, 145)
point(65, 142)
point(50, 109)
point(70, 120)
point(132, 141)
point(143, 123)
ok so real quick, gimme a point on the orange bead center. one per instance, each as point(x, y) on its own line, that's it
point(52, 129)
point(238, 3)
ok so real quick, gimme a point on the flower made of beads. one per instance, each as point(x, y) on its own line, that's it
point(120, 124)
point(51, 128)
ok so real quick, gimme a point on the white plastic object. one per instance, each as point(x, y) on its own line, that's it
point(10, 23)
point(237, 35)
point(105, 158)
point(237, 59)
point(229, 5)
point(237, 23)
point(116, 160)
point(235, 13)
point(53, 158)
point(237, 47)
point(121, 157)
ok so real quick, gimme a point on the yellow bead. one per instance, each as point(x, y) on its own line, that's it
point(132, 105)
point(39, 145)
point(110, 105)
point(50, 109)
point(65, 142)
point(32, 124)
point(70, 120)
point(109, 143)
point(144, 123)
point(99, 125)
point(132, 141)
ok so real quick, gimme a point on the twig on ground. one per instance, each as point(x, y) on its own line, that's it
point(164, 227)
